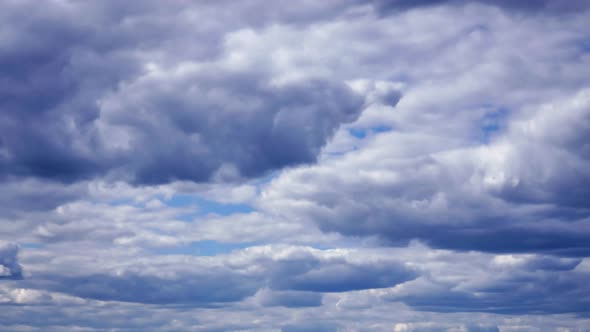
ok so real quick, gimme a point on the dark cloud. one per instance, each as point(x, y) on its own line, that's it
point(30, 196)
point(196, 289)
point(9, 266)
point(335, 276)
point(197, 125)
point(527, 284)
point(290, 299)
point(546, 6)
point(62, 70)
point(200, 289)
point(297, 276)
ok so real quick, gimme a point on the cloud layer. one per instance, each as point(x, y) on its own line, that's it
point(523, 192)
point(338, 165)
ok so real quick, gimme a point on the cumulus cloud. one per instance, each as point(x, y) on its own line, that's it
point(240, 124)
point(111, 102)
point(338, 165)
point(513, 194)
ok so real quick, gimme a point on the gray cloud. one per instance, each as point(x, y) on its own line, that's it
point(199, 281)
point(448, 283)
point(205, 289)
point(289, 299)
point(335, 275)
point(462, 125)
point(545, 6)
point(506, 284)
point(9, 265)
point(523, 192)
point(155, 127)
point(309, 327)
point(239, 120)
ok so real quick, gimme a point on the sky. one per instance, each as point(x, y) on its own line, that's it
point(292, 166)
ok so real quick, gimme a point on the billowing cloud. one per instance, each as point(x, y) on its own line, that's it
point(337, 165)
point(525, 191)
point(117, 102)
point(222, 123)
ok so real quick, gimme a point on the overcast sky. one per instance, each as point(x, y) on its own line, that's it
point(290, 166)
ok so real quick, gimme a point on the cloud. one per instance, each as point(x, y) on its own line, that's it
point(337, 165)
point(9, 266)
point(486, 282)
point(336, 275)
point(235, 122)
point(111, 102)
point(201, 289)
point(545, 6)
point(298, 274)
point(505, 284)
point(308, 327)
point(506, 196)
point(289, 299)
point(301, 277)
point(426, 327)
